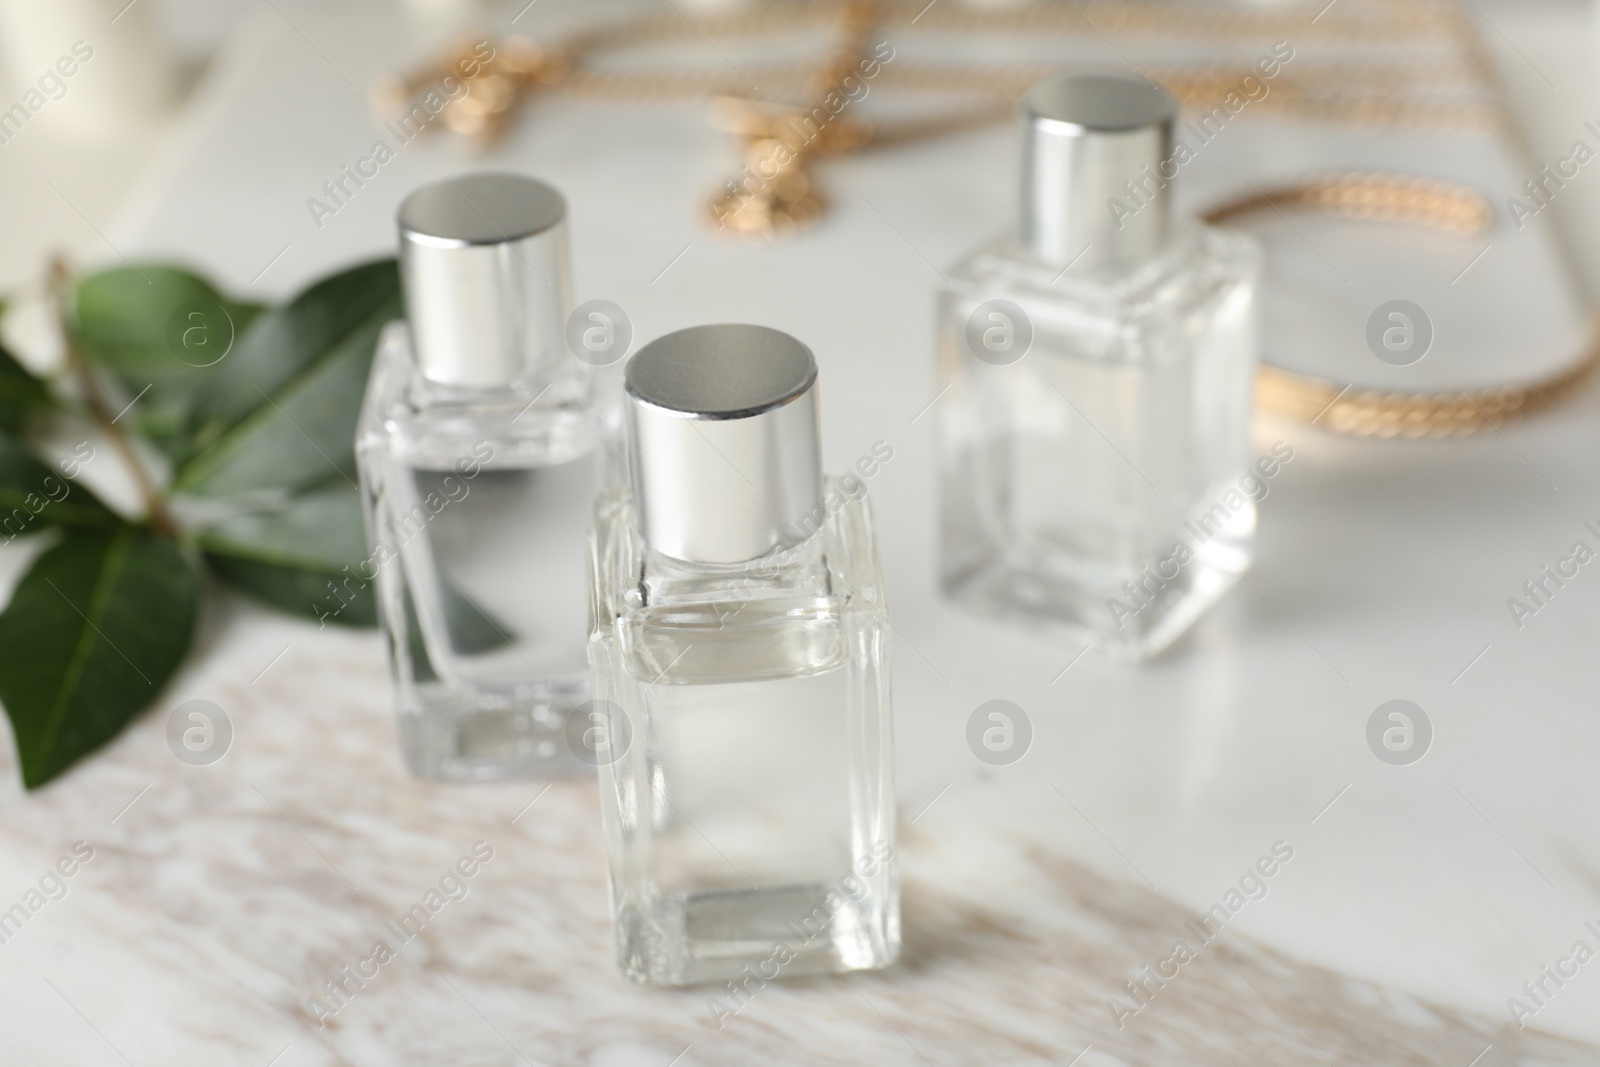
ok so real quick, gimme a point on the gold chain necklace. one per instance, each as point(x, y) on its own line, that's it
point(1395, 198)
point(779, 144)
point(1359, 93)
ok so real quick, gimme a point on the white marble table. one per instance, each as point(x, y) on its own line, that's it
point(1417, 899)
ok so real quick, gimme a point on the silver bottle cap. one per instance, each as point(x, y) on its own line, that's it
point(484, 262)
point(722, 435)
point(1083, 137)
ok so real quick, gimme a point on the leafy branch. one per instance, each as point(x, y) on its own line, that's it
point(253, 410)
point(94, 398)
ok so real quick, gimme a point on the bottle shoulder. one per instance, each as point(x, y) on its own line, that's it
point(1199, 267)
point(781, 615)
point(425, 424)
point(838, 558)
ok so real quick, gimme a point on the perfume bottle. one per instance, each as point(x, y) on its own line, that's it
point(482, 443)
point(741, 693)
point(1099, 365)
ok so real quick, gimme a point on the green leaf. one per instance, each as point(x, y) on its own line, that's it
point(307, 557)
point(164, 333)
point(299, 592)
point(281, 413)
point(20, 393)
point(310, 557)
point(94, 631)
point(471, 629)
point(32, 496)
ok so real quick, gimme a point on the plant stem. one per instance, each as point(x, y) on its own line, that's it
point(94, 399)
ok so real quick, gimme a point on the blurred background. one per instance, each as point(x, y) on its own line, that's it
point(159, 61)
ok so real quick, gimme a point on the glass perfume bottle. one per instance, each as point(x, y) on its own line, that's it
point(482, 443)
point(738, 665)
point(1099, 365)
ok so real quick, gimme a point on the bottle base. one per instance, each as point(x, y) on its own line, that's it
point(742, 935)
point(489, 733)
point(1129, 613)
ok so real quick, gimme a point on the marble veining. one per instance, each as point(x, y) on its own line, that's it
point(223, 898)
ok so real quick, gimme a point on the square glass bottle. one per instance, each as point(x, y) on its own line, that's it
point(1099, 368)
point(740, 685)
point(482, 443)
